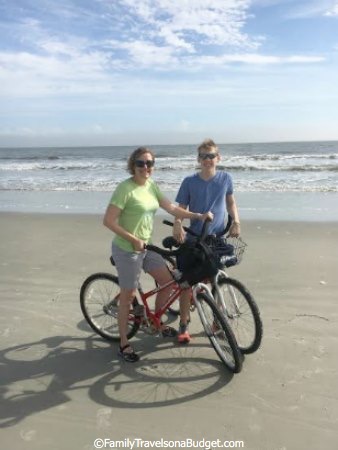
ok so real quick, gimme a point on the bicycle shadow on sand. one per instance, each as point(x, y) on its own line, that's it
point(40, 375)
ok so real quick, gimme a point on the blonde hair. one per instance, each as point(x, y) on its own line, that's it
point(207, 145)
point(135, 155)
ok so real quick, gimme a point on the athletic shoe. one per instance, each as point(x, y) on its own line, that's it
point(183, 334)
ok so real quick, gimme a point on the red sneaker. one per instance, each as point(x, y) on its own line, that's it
point(183, 336)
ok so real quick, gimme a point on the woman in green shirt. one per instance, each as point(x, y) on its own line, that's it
point(130, 215)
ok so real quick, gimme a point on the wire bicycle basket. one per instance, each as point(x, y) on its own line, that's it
point(228, 251)
point(239, 247)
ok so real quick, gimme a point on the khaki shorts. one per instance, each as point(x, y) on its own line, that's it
point(130, 264)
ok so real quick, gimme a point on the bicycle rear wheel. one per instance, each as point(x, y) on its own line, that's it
point(241, 310)
point(219, 332)
point(99, 300)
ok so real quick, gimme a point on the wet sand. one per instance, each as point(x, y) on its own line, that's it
point(62, 386)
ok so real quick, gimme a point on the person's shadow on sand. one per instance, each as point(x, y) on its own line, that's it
point(40, 375)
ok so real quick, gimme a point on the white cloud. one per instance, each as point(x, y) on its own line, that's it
point(69, 72)
point(145, 54)
point(175, 41)
point(181, 23)
point(27, 74)
point(310, 8)
point(255, 59)
point(177, 37)
point(333, 11)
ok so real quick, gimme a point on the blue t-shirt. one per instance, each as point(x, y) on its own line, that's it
point(202, 196)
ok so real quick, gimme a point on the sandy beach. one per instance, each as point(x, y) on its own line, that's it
point(63, 387)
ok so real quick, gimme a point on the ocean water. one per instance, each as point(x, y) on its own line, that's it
point(296, 181)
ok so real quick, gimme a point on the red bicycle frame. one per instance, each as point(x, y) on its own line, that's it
point(155, 317)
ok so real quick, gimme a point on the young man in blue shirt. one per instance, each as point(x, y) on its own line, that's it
point(206, 190)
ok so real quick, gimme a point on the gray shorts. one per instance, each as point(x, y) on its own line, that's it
point(130, 264)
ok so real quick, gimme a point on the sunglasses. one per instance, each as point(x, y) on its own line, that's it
point(204, 156)
point(140, 163)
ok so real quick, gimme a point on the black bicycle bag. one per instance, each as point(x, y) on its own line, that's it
point(196, 261)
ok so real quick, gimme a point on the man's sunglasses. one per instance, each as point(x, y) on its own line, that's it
point(140, 163)
point(205, 156)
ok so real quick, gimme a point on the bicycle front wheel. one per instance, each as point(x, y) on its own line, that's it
point(99, 300)
point(241, 310)
point(219, 332)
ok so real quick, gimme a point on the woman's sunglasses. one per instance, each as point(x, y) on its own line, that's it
point(140, 163)
point(205, 156)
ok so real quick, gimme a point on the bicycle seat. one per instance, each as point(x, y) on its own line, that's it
point(170, 242)
point(112, 261)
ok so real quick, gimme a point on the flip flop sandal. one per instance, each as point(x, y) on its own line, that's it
point(128, 356)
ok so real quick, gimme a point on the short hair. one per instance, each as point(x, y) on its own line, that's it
point(207, 145)
point(135, 155)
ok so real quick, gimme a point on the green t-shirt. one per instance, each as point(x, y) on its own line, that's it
point(138, 205)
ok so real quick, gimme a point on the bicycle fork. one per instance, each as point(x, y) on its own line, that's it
point(219, 297)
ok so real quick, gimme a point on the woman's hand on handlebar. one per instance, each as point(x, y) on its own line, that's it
point(178, 231)
point(206, 216)
point(139, 245)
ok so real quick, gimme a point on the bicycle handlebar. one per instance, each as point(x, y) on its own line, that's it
point(227, 227)
point(190, 231)
point(169, 253)
point(161, 251)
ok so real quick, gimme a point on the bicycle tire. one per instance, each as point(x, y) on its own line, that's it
point(239, 307)
point(99, 304)
point(219, 332)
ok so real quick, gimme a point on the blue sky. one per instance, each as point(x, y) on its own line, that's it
point(115, 72)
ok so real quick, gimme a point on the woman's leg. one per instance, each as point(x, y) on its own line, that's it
point(155, 265)
point(183, 333)
point(185, 299)
point(126, 297)
point(128, 266)
point(162, 276)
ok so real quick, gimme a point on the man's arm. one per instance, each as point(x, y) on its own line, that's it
point(235, 229)
point(178, 232)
